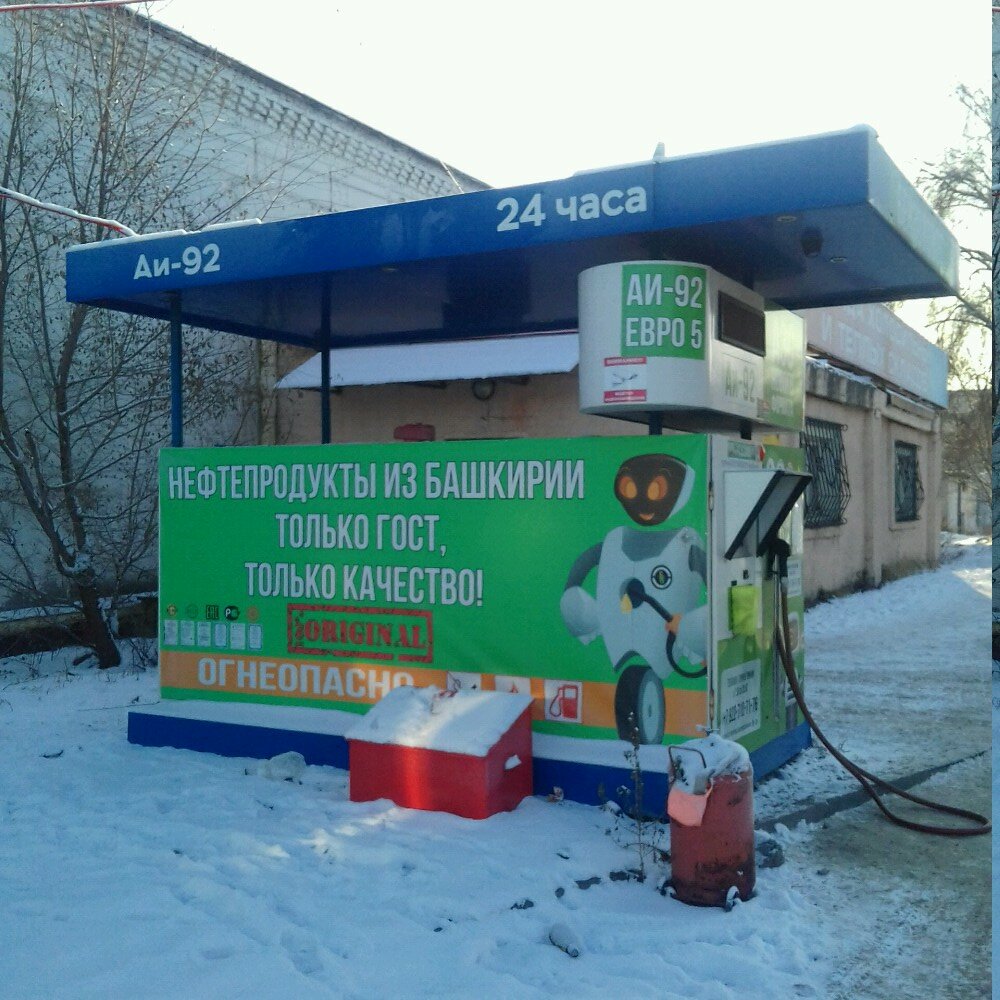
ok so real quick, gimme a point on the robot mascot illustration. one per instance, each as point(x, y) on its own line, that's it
point(650, 607)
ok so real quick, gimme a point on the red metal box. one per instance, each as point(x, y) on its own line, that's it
point(467, 753)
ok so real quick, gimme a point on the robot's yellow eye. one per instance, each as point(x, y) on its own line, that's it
point(627, 488)
point(657, 489)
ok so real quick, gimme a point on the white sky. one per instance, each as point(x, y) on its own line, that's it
point(529, 90)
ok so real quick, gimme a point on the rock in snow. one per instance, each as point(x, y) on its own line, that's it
point(284, 767)
point(565, 940)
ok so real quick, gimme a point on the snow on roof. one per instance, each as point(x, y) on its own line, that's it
point(495, 357)
point(466, 722)
point(813, 362)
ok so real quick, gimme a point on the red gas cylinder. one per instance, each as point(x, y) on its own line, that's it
point(711, 822)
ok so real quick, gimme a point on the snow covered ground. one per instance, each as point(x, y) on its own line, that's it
point(127, 871)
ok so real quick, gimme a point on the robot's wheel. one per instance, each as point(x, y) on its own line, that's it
point(639, 704)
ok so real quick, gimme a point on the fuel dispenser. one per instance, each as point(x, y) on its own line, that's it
point(677, 343)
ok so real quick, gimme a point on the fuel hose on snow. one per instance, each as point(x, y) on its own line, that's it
point(871, 783)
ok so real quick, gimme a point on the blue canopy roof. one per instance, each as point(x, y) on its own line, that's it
point(815, 221)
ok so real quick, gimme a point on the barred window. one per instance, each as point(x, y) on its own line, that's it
point(908, 489)
point(828, 493)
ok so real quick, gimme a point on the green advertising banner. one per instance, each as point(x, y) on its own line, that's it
point(784, 396)
point(573, 570)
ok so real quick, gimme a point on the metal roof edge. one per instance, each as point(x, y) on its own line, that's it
point(904, 209)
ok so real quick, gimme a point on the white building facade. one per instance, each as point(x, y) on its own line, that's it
point(190, 138)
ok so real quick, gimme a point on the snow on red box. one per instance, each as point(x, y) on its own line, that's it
point(465, 752)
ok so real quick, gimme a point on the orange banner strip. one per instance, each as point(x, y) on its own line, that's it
point(589, 703)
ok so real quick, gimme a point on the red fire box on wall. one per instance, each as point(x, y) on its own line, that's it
point(464, 752)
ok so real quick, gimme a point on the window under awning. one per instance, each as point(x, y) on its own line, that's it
point(445, 361)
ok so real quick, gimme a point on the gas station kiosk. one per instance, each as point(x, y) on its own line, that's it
point(627, 584)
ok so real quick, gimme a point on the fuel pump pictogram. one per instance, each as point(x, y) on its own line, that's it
point(562, 700)
point(565, 704)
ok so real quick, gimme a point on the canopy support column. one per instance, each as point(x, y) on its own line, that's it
point(176, 376)
point(324, 364)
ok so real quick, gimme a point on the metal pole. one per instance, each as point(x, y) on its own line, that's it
point(176, 378)
point(324, 364)
point(655, 422)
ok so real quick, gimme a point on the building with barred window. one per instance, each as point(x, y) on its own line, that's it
point(875, 396)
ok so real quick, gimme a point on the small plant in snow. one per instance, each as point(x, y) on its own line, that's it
point(632, 828)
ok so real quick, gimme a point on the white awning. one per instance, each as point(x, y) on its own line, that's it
point(497, 357)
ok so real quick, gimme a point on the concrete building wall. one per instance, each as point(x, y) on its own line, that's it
point(965, 483)
point(836, 556)
point(962, 511)
point(290, 155)
point(541, 406)
point(871, 546)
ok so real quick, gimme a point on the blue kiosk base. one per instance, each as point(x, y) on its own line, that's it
point(586, 770)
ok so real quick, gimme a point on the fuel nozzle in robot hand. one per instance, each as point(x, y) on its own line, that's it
point(634, 596)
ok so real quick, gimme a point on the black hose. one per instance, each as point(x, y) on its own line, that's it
point(671, 638)
point(868, 781)
point(636, 593)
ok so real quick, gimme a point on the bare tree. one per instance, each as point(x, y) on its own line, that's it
point(958, 187)
point(96, 114)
